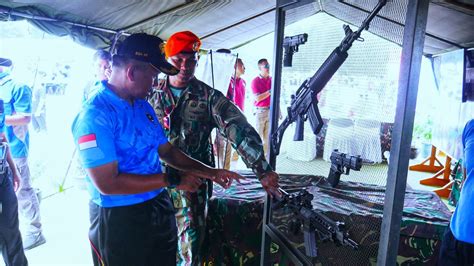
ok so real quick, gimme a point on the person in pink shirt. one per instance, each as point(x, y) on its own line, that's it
point(236, 93)
point(261, 86)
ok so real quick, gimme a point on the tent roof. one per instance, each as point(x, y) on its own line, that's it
point(230, 23)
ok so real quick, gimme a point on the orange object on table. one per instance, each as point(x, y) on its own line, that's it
point(441, 178)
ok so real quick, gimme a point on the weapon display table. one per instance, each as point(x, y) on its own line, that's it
point(235, 222)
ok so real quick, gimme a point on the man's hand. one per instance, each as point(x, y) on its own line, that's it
point(224, 177)
point(270, 184)
point(180, 161)
point(16, 181)
point(189, 182)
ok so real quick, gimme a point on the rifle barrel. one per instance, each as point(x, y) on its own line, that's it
point(367, 20)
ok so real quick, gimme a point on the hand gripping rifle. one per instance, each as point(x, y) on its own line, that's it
point(304, 104)
point(316, 225)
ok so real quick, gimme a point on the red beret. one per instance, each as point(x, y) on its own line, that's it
point(184, 41)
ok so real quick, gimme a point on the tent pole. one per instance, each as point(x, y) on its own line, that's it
point(412, 53)
point(114, 43)
point(11, 12)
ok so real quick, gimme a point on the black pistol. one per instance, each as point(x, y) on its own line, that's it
point(342, 163)
point(290, 44)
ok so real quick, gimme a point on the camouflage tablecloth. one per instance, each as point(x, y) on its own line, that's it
point(235, 222)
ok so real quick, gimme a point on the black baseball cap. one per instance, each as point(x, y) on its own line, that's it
point(5, 62)
point(147, 48)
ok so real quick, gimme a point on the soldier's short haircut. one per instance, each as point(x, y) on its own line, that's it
point(120, 61)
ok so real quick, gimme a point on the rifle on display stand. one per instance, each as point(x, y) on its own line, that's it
point(304, 103)
point(316, 225)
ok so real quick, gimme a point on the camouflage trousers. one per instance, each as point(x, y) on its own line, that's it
point(191, 212)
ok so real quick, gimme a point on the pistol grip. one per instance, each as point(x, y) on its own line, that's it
point(333, 178)
point(299, 130)
point(288, 57)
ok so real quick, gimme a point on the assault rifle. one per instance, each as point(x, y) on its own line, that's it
point(304, 104)
point(316, 225)
point(342, 163)
point(291, 44)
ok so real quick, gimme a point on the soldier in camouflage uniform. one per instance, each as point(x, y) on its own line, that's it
point(189, 110)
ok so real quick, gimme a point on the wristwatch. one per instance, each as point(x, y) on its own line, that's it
point(173, 179)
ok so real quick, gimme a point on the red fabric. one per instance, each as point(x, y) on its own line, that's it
point(239, 96)
point(86, 138)
point(259, 86)
point(184, 41)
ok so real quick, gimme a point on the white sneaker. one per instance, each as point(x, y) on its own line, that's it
point(32, 241)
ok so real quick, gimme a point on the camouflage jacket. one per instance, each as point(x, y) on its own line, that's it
point(189, 120)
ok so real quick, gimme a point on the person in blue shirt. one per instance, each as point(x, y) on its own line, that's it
point(120, 143)
point(101, 64)
point(17, 105)
point(102, 68)
point(10, 238)
point(458, 243)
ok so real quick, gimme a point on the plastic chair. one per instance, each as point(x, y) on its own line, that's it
point(302, 150)
point(367, 140)
point(339, 135)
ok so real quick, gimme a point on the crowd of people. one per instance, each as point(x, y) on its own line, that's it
point(145, 146)
point(16, 116)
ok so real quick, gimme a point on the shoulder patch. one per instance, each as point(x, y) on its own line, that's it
point(87, 141)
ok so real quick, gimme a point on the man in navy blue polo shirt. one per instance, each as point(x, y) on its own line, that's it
point(458, 243)
point(17, 103)
point(120, 143)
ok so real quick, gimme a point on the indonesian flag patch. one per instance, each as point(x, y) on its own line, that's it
point(87, 141)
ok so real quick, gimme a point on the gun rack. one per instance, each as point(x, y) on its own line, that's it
point(412, 49)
